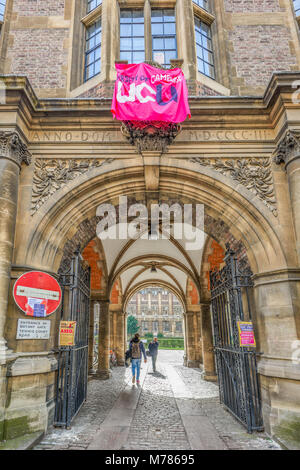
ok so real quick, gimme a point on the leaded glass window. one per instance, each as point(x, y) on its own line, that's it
point(2, 9)
point(93, 50)
point(204, 48)
point(92, 4)
point(164, 44)
point(132, 32)
point(297, 7)
point(202, 3)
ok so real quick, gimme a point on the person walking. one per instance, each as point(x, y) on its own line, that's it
point(153, 349)
point(136, 348)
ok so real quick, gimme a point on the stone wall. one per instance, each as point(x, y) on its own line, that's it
point(39, 54)
point(36, 44)
point(259, 44)
point(246, 6)
point(45, 41)
point(39, 7)
point(258, 50)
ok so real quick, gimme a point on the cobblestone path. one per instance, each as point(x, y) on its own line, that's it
point(157, 419)
point(173, 409)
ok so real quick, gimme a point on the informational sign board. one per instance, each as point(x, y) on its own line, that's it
point(246, 334)
point(67, 330)
point(38, 294)
point(33, 329)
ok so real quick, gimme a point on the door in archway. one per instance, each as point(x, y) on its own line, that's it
point(236, 363)
point(72, 374)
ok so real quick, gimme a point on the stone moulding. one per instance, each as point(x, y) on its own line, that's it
point(51, 175)
point(12, 147)
point(288, 147)
point(150, 136)
point(253, 173)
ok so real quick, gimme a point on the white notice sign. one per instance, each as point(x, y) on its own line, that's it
point(33, 329)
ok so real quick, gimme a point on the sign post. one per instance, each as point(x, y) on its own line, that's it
point(37, 294)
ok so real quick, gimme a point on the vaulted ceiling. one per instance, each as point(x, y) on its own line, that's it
point(164, 261)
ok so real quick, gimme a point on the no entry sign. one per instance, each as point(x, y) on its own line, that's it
point(38, 294)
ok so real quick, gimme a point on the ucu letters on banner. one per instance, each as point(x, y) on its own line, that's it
point(146, 93)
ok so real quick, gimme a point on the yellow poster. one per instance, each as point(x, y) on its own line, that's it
point(67, 333)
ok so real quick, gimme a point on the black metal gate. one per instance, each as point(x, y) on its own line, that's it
point(72, 376)
point(231, 301)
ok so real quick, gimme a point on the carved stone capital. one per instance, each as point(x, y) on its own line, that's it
point(12, 148)
point(147, 136)
point(288, 148)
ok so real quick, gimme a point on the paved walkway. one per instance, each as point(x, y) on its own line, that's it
point(174, 409)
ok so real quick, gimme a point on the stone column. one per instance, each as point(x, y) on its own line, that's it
point(185, 339)
point(111, 330)
point(207, 344)
point(173, 327)
point(104, 340)
point(91, 337)
point(186, 37)
point(288, 152)
point(190, 336)
point(120, 338)
point(199, 339)
point(160, 326)
point(279, 348)
point(159, 304)
point(148, 35)
point(12, 153)
point(125, 332)
point(110, 44)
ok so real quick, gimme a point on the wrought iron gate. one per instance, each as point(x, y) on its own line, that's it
point(72, 376)
point(236, 366)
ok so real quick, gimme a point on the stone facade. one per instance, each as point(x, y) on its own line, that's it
point(62, 155)
point(157, 311)
point(46, 43)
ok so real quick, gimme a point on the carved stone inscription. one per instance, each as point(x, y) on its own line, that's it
point(228, 135)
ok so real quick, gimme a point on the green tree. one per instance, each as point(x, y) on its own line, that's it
point(132, 325)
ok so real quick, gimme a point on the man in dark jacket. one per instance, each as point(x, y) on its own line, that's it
point(136, 348)
point(153, 349)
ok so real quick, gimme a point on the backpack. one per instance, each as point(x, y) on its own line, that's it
point(135, 351)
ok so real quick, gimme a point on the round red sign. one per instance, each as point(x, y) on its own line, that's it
point(38, 294)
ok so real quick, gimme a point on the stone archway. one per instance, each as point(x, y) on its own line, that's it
point(231, 212)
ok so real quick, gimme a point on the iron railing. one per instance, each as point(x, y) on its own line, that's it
point(72, 374)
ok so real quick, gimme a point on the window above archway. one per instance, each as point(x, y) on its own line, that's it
point(92, 4)
point(93, 50)
point(204, 48)
point(202, 3)
point(132, 36)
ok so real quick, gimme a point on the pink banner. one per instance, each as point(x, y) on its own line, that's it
point(146, 93)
